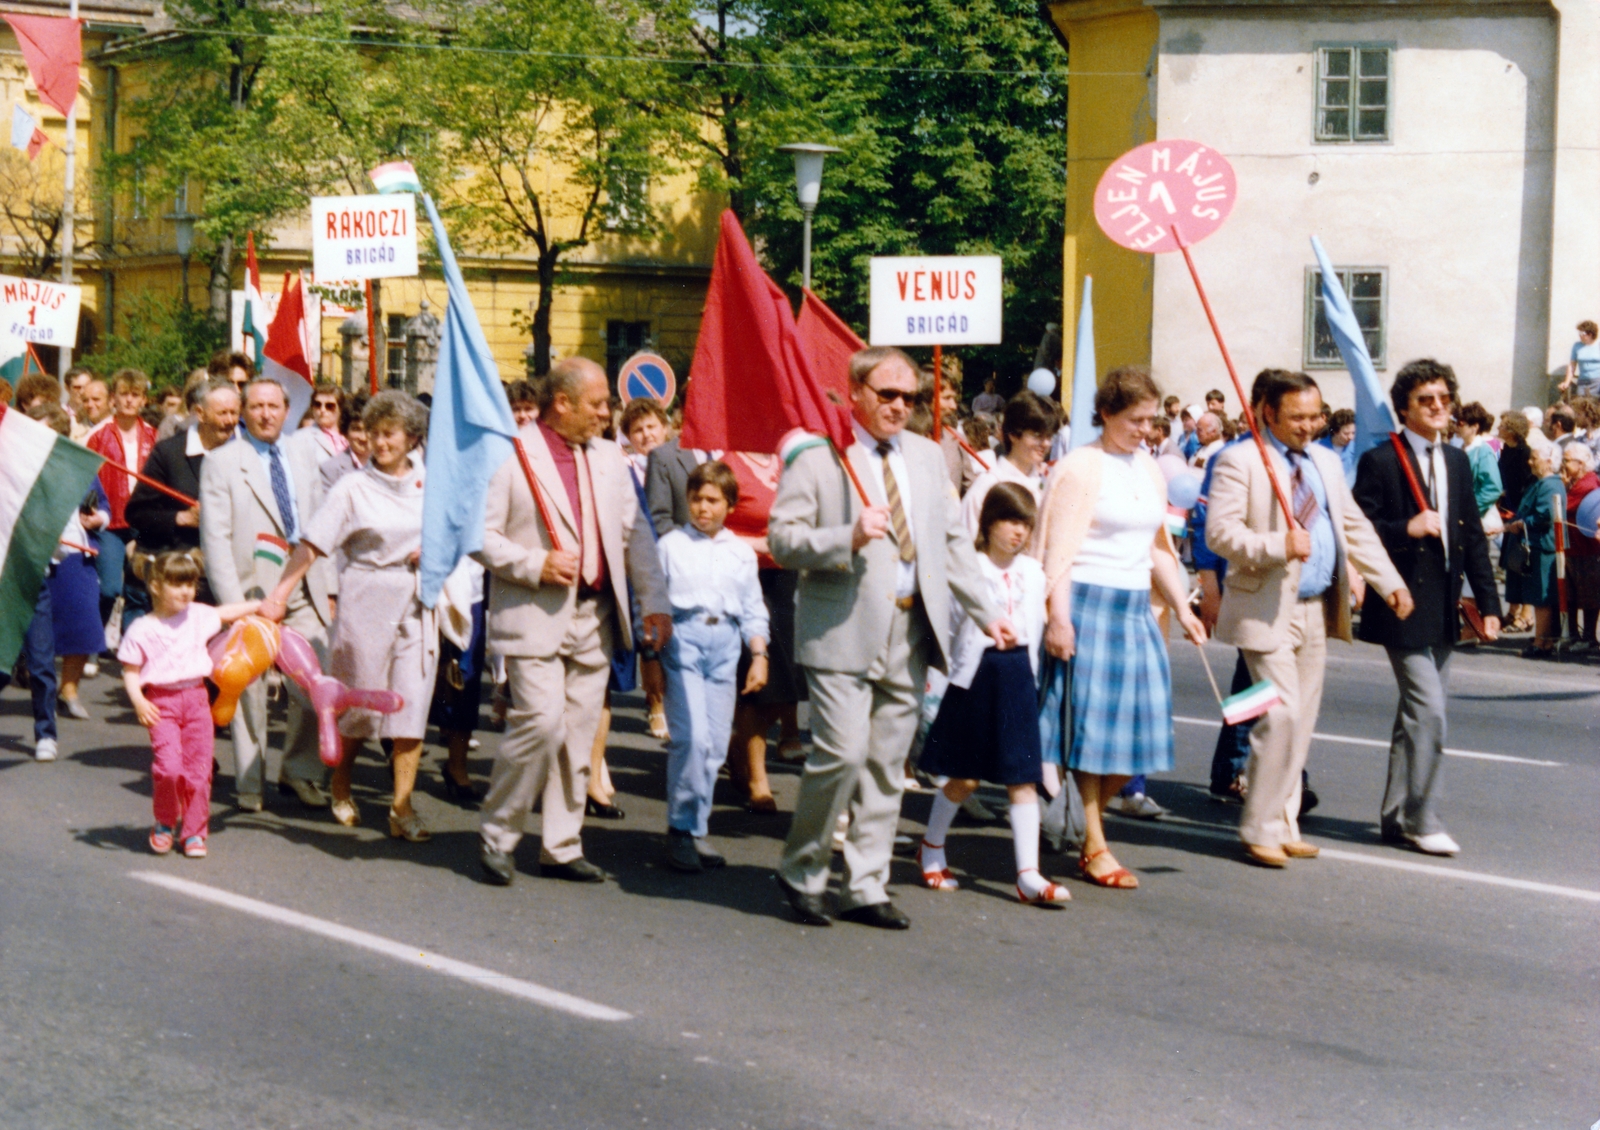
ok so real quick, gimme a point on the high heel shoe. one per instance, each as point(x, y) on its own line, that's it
point(408, 827)
point(600, 809)
point(458, 793)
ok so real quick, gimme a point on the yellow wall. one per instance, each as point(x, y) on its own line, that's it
point(1111, 63)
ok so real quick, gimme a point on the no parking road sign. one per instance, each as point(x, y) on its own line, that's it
point(649, 376)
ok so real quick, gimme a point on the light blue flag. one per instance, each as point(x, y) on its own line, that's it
point(470, 430)
point(1084, 381)
point(1374, 418)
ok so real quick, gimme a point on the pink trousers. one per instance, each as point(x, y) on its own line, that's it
point(182, 742)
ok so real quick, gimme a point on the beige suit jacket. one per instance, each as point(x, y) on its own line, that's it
point(528, 618)
point(236, 504)
point(847, 599)
point(1245, 525)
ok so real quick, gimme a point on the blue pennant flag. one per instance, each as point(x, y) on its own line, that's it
point(470, 430)
point(1374, 418)
point(1084, 382)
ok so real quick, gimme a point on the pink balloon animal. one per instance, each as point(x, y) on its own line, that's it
point(329, 697)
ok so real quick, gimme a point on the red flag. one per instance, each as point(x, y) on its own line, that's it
point(286, 352)
point(53, 48)
point(36, 141)
point(751, 380)
point(828, 343)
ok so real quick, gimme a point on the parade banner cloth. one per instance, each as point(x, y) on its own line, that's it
point(53, 49)
point(1084, 382)
point(470, 430)
point(828, 343)
point(25, 132)
point(286, 351)
point(1374, 418)
point(43, 478)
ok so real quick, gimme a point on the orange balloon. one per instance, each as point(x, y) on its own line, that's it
point(240, 656)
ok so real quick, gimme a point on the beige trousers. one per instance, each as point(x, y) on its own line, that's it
point(861, 731)
point(301, 760)
point(555, 712)
point(1281, 740)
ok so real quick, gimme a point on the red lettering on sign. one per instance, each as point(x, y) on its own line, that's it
point(936, 287)
point(333, 225)
point(917, 293)
point(972, 285)
point(900, 277)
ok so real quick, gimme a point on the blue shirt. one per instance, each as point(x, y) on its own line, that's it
point(1347, 458)
point(1198, 549)
point(1316, 573)
point(291, 521)
point(1587, 358)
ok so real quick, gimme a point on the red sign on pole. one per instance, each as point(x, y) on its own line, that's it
point(1160, 184)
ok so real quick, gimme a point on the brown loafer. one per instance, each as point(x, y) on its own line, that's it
point(1266, 856)
point(1299, 849)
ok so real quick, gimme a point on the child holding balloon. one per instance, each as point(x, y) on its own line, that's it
point(164, 666)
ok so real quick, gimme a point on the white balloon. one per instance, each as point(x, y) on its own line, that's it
point(1042, 382)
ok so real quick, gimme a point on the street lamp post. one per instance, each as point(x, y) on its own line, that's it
point(808, 158)
point(184, 221)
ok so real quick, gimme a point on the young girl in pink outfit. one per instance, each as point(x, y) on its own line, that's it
point(164, 667)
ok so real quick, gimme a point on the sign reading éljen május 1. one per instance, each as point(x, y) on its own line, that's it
point(936, 300)
point(364, 237)
point(44, 313)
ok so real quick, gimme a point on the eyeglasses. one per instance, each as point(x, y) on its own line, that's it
point(331, 405)
point(890, 395)
point(1434, 400)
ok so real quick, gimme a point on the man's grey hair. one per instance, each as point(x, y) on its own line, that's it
point(215, 384)
point(566, 376)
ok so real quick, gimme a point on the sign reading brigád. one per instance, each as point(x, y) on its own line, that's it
point(364, 237)
point(936, 300)
point(44, 313)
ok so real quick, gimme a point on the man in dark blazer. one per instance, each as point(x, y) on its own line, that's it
point(161, 521)
point(1432, 548)
point(666, 484)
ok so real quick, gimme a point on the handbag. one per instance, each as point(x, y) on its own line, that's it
point(1514, 556)
point(1493, 524)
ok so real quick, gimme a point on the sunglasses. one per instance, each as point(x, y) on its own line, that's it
point(1434, 400)
point(332, 405)
point(890, 395)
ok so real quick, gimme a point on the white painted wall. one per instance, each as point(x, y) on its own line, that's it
point(1456, 205)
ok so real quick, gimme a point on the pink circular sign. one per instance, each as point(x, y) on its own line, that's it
point(1161, 186)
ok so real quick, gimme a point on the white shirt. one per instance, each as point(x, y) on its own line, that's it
point(906, 580)
point(1018, 591)
point(1004, 471)
point(715, 576)
point(1116, 552)
point(1441, 493)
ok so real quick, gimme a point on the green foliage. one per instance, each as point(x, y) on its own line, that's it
point(163, 338)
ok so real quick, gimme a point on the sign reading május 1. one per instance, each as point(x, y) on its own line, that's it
point(364, 237)
point(936, 300)
point(44, 313)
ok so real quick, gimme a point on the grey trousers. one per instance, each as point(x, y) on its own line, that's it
point(1416, 750)
point(301, 760)
point(861, 731)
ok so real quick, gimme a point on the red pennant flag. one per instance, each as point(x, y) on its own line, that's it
point(829, 343)
point(53, 48)
point(286, 352)
point(36, 142)
point(751, 380)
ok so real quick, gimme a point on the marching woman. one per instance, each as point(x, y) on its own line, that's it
point(383, 636)
point(1104, 547)
point(988, 723)
point(75, 599)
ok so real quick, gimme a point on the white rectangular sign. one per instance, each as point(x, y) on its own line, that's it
point(45, 313)
point(364, 237)
point(936, 300)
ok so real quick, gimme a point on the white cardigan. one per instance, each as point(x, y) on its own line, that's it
point(1018, 592)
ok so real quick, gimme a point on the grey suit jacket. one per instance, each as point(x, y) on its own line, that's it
point(236, 504)
point(847, 599)
point(666, 486)
point(528, 618)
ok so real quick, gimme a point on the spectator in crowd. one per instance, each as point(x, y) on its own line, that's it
point(356, 448)
point(1533, 528)
point(1473, 423)
point(1583, 369)
point(1217, 404)
point(36, 388)
point(240, 369)
point(1560, 424)
point(524, 400)
point(1516, 476)
point(170, 403)
point(1209, 437)
point(1583, 553)
point(193, 388)
point(1170, 407)
point(1341, 439)
point(988, 402)
point(323, 433)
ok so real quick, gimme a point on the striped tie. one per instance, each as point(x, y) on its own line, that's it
point(1306, 509)
point(897, 510)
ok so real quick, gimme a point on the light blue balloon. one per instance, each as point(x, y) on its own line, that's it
point(1184, 491)
point(1042, 382)
point(1589, 514)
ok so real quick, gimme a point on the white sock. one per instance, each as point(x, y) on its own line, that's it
point(1025, 843)
point(944, 811)
point(1052, 778)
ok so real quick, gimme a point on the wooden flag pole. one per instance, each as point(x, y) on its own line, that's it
point(372, 341)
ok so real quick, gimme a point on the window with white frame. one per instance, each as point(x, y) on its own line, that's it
point(1368, 291)
point(1353, 92)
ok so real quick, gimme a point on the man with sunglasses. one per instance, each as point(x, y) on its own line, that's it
point(1433, 547)
point(873, 615)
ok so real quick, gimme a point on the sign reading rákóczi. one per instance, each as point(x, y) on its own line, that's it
point(364, 237)
point(936, 300)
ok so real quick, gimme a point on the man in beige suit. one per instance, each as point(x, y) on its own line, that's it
point(256, 494)
point(556, 615)
point(873, 615)
point(1288, 589)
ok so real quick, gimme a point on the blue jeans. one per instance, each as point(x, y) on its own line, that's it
point(701, 664)
point(39, 652)
point(113, 546)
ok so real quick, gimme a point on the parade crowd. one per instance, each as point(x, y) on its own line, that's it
point(977, 601)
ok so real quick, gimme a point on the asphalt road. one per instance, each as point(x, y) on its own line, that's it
point(1369, 988)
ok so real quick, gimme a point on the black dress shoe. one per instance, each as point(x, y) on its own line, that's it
point(883, 915)
point(592, 807)
point(681, 855)
point(710, 857)
point(498, 869)
point(580, 870)
point(467, 794)
point(1308, 801)
point(808, 909)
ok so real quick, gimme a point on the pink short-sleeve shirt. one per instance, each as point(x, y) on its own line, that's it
point(171, 649)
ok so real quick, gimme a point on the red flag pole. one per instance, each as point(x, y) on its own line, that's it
point(938, 387)
point(162, 487)
point(1238, 386)
point(372, 346)
point(538, 495)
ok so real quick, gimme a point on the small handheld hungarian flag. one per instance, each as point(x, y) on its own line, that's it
point(1177, 521)
point(796, 441)
point(270, 547)
point(396, 176)
point(1252, 702)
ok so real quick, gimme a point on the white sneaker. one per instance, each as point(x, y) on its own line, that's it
point(1435, 843)
point(1138, 806)
point(45, 750)
point(91, 669)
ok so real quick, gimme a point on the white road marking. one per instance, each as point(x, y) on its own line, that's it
point(1374, 743)
point(472, 974)
point(1191, 828)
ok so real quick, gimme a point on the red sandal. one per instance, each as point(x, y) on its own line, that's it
point(1119, 880)
point(940, 880)
point(1053, 894)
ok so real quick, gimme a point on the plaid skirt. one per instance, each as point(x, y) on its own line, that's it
point(1121, 686)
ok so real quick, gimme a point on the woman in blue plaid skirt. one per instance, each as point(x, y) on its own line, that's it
point(1104, 546)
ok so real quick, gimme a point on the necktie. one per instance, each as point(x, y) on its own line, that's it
point(588, 526)
point(280, 493)
point(1306, 510)
point(1433, 497)
point(897, 509)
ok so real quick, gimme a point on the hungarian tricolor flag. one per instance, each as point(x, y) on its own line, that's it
point(43, 478)
point(285, 351)
point(255, 311)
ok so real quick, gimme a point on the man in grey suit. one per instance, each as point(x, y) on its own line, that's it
point(256, 494)
point(666, 485)
point(873, 615)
